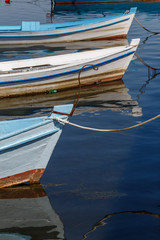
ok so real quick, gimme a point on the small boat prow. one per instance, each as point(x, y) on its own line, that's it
point(26, 146)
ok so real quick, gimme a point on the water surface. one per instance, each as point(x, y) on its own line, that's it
point(101, 185)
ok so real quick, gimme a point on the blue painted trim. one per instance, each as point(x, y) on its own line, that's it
point(28, 140)
point(26, 129)
point(63, 33)
point(133, 10)
point(54, 26)
point(10, 28)
point(43, 121)
point(68, 72)
point(66, 108)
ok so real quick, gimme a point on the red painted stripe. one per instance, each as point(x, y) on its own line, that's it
point(32, 176)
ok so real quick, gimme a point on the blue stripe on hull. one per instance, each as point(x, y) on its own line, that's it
point(27, 141)
point(66, 33)
point(67, 72)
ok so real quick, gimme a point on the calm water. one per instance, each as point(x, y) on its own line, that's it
point(99, 185)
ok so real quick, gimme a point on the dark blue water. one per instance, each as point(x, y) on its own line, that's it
point(102, 185)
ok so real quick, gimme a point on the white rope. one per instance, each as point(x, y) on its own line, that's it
point(104, 130)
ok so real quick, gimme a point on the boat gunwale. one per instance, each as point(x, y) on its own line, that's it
point(48, 60)
point(70, 25)
point(24, 129)
point(62, 73)
point(44, 121)
point(51, 33)
point(28, 140)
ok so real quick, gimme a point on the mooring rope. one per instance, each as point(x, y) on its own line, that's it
point(104, 130)
point(63, 121)
point(153, 68)
point(145, 27)
point(76, 100)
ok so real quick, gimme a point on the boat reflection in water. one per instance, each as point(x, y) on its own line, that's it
point(26, 213)
point(41, 50)
point(101, 97)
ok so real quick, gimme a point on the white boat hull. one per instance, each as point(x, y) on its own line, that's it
point(105, 28)
point(25, 77)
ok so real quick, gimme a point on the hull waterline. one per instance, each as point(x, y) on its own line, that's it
point(27, 77)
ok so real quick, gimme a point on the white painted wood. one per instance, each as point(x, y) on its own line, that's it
point(35, 76)
point(101, 28)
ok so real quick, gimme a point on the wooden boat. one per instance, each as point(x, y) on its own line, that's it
point(26, 213)
point(37, 75)
point(110, 27)
point(26, 146)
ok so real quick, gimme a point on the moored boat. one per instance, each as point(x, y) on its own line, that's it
point(26, 146)
point(37, 75)
point(111, 27)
